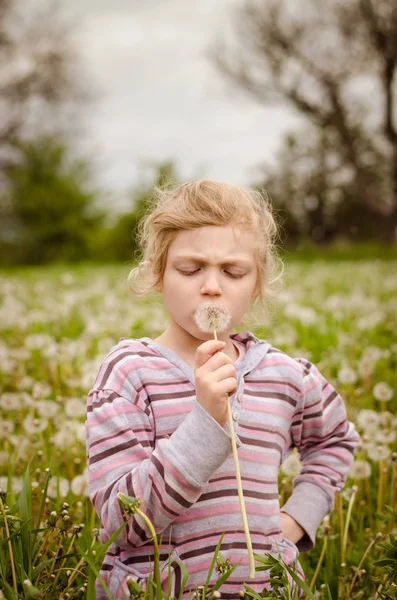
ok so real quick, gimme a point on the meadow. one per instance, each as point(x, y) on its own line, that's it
point(56, 326)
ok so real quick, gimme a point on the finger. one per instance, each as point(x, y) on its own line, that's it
point(206, 350)
point(216, 361)
point(227, 386)
point(224, 372)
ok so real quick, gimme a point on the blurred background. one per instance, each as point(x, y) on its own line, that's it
point(102, 100)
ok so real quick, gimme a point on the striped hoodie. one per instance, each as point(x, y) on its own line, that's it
point(147, 437)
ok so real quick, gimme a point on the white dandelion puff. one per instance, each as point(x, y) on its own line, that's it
point(75, 408)
point(383, 392)
point(347, 375)
point(292, 465)
point(79, 485)
point(367, 418)
point(360, 469)
point(377, 453)
point(212, 316)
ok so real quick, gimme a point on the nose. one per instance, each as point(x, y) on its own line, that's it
point(211, 285)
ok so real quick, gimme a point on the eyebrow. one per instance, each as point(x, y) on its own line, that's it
point(198, 258)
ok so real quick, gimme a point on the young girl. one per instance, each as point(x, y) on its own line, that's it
point(157, 424)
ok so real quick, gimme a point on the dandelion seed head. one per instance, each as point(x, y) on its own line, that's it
point(383, 392)
point(212, 316)
point(360, 469)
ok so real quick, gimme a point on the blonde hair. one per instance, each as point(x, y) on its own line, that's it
point(201, 203)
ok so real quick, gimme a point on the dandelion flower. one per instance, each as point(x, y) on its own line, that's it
point(79, 485)
point(75, 408)
point(47, 408)
point(34, 426)
point(386, 436)
point(211, 316)
point(58, 484)
point(378, 453)
point(347, 375)
point(360, 469)
point(367, 418)
point(292, 465)
point(383, 392)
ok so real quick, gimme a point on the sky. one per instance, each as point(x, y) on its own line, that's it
point(160, 97)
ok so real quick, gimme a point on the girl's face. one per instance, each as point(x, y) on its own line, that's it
point(209, 264)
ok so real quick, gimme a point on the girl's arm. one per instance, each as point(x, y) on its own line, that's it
point(326, 441)
point(167, 474)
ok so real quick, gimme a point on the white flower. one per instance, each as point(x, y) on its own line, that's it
point(367, 418)
point(292, 465)
point(41, 389)
point(360, 469)
point(47, 408)
point(386, 436)
point(377, 453)
point(75, 408)
point(79, 485)
point(6, 428)
point(210, 316)
point(55, 484)
point(67, 278)
point(34, 426)
point(383, 392)
point(16, 484)
point(347, 375)
point(305, 314)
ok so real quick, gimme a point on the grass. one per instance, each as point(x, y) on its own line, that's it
point(56, 325)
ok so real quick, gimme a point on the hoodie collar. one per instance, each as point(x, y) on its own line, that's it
point(255, 352)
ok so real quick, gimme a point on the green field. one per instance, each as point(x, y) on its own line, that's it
point(58, 323)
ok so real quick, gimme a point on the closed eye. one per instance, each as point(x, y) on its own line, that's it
point(193, 272)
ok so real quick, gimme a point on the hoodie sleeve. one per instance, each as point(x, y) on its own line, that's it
point(326, 442)
point(167, 474)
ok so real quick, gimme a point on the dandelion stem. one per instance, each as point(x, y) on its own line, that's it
point(240, 488)
point(369, 501)
point(339, 509)
point(14, 577)
point(320, 560)
point(364, 556)
point(348, 516)
point(381, 485)
point(148, 522)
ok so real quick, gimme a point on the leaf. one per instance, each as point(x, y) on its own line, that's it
point(302, 584)
point(212, 566)
point(222, 579)
point(185, 576)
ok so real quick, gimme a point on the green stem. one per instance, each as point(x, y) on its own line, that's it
point(381, 485)
point(14, 577)
point(348, 516)
point(376, 538)
point(320, 560)
point(156, 553)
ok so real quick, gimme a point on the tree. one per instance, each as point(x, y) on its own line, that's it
point(121, 241)
point(320, 57)
point(52, 215)
point(39, 83)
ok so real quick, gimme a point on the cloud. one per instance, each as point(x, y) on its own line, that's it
point(160, 98)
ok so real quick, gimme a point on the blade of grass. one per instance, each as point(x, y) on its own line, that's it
point(26, 514)
point(212, 566)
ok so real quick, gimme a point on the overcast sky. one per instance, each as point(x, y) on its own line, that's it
point(160, 97)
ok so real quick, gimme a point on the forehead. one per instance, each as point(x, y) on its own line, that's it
point(215, 244)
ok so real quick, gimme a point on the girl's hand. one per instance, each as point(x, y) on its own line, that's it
point(215, 379)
